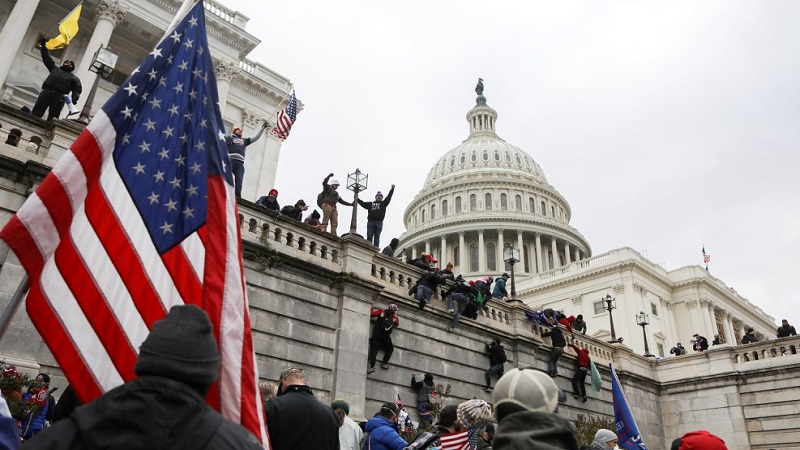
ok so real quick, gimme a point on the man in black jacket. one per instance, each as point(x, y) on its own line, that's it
point(164, 407)
point(385, 322)
point(59, 83)
point(297, 420)
point(375, 216)
point(557, 338)
point(497, 357)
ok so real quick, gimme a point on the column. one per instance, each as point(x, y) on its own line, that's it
point(577, 254)
point(554, 249)
point(500, 246)
point(713, 319)
point(109, 15)
point(730, 334)
point(522, 254)
point(539, 262)
point(226, 72)
point(706, 321)
point(481, 253)
point(428, 246)
point(566, 253)
point(463, 265)
point(13, 33)
point(443, 249)
point(413, 252)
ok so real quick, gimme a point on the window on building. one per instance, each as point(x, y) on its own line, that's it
point(504, 202)
point(653, 309)
point(474, 157)
point(544, 208)
point(458, 205)
point(444, 208)
point(553, 212)
point(549, 253)
point(423, 216)
point(452, 161)
point(485, 155)
point(433, 211)
point(508, 158)
point(487, 200)
point(456, 256)
point(473, 258)
point(599, 307)
point(491, 257)
point(473, 202)
point(660, 350)
point(463, 158)
point(496, 155)
point(531, 202)
point(518, 202)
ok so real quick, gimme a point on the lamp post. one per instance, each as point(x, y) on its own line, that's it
point(103, 63)
point(610, 304)
point(511, 256)
point(356, 182)
point(643, 320)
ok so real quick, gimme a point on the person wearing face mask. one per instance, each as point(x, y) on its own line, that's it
point(59, 83)
point(382, 430)
point(604, 440)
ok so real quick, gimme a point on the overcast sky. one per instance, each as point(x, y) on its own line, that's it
point(667, 126)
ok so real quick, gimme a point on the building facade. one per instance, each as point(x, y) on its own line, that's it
point(486, 195)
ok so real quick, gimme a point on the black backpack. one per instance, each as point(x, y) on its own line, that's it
point(503, 357)
point(320, 196)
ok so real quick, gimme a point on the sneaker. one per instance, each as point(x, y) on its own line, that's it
point(422, 304)
point(451, 329)
point(575, 396)
point(488, 389)
point(585, 399)
point(451, 310)
point(384, 366)
point(370, 370)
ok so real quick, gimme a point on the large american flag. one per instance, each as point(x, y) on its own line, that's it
point(137, 217)
point(286, 118)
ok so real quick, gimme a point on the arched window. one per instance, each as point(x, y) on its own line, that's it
point(550, 260)
point(452, 161)
point(496, 155)
point(473, 202)
point(444, 208)
point(456, 256)
point(553, 212)
point(508, 158)
point(485, 155)
point(531, 208)
point(504, 202)
point(423, 216)
point(473, 258)
point(458, 205)
point(518, 202)
point(491, 258)
point(474, 157)
point(487, 200)
point(519, 161)
point(544, 208)
point(463, 158)
point(433, 211)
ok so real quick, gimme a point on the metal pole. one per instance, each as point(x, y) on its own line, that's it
point(513, 286)
point(644, 334)
point(611, 319)
point(13, 305)
point(87, 107)
point(354, 219)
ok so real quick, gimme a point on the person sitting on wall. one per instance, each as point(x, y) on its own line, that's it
point(749, 337)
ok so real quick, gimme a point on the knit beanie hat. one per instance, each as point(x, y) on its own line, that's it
point(379, 194)
point(525, 389)
point(181, 347)
point(699, 440)
point(448, 415)
point(474, 413)
point(342, 404)
point(273, 192)
point(604, 435)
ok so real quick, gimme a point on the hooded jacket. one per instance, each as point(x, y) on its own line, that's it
point(59, 80)
point(383, 435)
point(147, 413)
point(538, 430)
point(298, 421)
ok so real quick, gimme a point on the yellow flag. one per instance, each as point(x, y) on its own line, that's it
point(68, 28)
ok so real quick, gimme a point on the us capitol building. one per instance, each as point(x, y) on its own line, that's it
point(487, 196)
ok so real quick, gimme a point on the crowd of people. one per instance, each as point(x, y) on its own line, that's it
point(700, 343)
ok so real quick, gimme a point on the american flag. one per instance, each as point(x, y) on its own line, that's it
point(706, 257)
point(286, 118)
point(455, 441)
point(137, 217)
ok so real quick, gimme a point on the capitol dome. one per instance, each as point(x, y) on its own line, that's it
point(485, 195)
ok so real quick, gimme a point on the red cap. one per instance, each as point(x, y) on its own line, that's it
point(273, 192)
point(237, 130)
point(701, 440)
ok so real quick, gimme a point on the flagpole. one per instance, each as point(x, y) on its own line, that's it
point(62, 20)
point(278, 108)
point(13, 305)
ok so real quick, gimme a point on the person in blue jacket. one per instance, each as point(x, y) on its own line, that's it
point(382, 430)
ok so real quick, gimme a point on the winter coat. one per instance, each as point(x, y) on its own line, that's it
point(268, 203)
point(59, 80)
point(385, 323)
point(535, 430)
point(147, 413)
point(556, 336)
point(298, 421)
point(383, 435)
point(495, 354)
point(423, 389)
point(431, 280)
point(583, 356)
point(377, 210)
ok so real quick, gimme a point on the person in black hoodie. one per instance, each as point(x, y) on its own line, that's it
point(386, 320)
point(526, 407)
point(557, 338)
point(375, 216)
point(164, 406)
point(59, 83)
point(424, 389)
point(296, 211)
point(426, 286)
point(497, 357)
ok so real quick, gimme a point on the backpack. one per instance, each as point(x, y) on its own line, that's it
point(503, 357)
point(364, 443)
point(320, 196)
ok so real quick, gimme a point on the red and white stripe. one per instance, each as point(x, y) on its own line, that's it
point(98, 284)
point(455, 441)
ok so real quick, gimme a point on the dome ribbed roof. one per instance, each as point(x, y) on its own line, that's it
point(484, 150)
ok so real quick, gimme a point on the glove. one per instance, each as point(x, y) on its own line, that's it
point(265, 125)
point(42, 42)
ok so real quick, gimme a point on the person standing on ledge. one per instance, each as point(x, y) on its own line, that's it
point(327, 200)
point(59, 83)
point(236, 150)
point(375, 216)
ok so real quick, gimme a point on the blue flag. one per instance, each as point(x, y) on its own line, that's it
point(627, 431)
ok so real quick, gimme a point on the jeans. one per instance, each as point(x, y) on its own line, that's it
point(552, 365)
point(51, 99)
point(424, 293)
point(424, 410)
point(330, 213)
point(374, 229)
point(237, 167)
point(579, 382)
point(494, 371)
point(461, 301)
point(381, 343)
